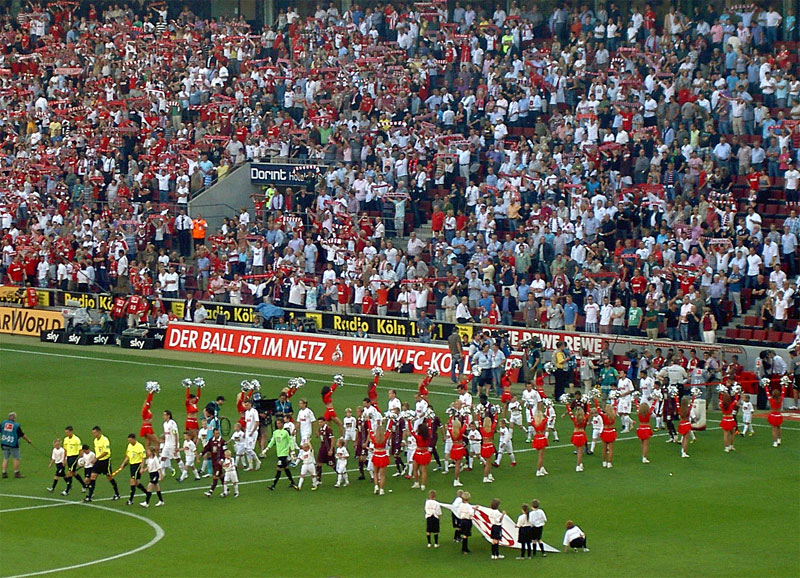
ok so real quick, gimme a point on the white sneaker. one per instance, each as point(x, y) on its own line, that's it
point(605, 464)
point(375, 491)
point(457, 484)
point(208, 494)
point(728, 449)
point(539, 473)
point(159, 503)
point(610, 465)
point(223, 495)
point(337, 485)
point(382, 493)
point(236, 494)
point(258, 465)
point(486, 480)
point(779, 441)
point(494, 557)
point(491, 477)
point(581, 466)
point(144, 504)
point(396, 474)
point(264, 454)
point(684, 455)
point(65, 493)
point(500, 556)
point(197, 477)
point(586, 549)
point(645, 461)
point(422, 488)
point(415, 486)
point(544, 471)
point(774, 444)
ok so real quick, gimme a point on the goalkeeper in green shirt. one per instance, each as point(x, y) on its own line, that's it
point(284, 444)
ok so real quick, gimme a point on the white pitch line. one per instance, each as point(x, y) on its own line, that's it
point(159, 534)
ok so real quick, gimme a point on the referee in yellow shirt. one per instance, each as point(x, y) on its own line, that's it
point(72, 445)
point(102, 450)
point(134, 456)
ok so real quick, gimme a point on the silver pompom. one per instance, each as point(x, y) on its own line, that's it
point(613, 394)
point(187, 382)
point(563, 399)
point(550, 367)
point(433, 372)
point(299, 382)
point(765, 381)
point(696, 392)
point(597, 393)
point(377, 371)
point(338, 379)
point(199, 382)
point(515, 363)
point(636, 394)
point(722, 389)
point(452, 411)
point(255, 384)
point(736, 389)
point(245, 385)
point(476, 370)
point(547, 402)
point(585, 399)
point(672, 390)
point(152, 387)
point(786, 381)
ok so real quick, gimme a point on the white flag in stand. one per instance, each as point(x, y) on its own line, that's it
point(480, 521)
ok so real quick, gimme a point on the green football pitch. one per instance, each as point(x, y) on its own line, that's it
point(715, 514)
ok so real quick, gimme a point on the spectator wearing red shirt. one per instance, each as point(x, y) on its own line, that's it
point(437, 220)
point(342, 297)
point(16, 271)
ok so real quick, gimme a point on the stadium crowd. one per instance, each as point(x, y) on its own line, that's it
point(579, 170)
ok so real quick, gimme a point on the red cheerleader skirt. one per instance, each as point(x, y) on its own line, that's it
point(727, 423)
point(146, 430)
point(609, 436)
point(458, 451)
point(330, 413)
point(380, 459)
point(505, 397)
point(643, 432)
point(488, 451)
point(422, 457)
point(578, 439)
point(539, 442)
point(775, 419)
point(684, 427)
point(191, 424)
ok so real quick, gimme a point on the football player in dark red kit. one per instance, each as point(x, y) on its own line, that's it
point(326, 443)
point(214, 451)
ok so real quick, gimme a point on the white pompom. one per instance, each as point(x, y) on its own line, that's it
point(515, 363)
point(736, 389)
point(245, 385)
point(476, 370)
point(199, 382)
point(672, 390)
point(433, 372)
point(338, 379)
point(563, 399)
point(377, 371)
point(255, 385)
point(765, 381)
point(722, 389)
point(187, 382)
point(696, 392)
point(613, 394)
point(550, 367)
point(299, 382)
point(152, 387)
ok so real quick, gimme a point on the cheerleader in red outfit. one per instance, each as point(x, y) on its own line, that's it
point(380, 457)
point(609, 433)
point(579, 420)
point(539, 424)
point(426, 381)
point(487, 447)
point(192, 400)
point(505, 396)
point(372, 390)
point(644, 432)
point(422, 455)
point(458, 452)
point(685, 425)
point(775, 418)
point(146, 431)
point(727, 405)
point(327, 399)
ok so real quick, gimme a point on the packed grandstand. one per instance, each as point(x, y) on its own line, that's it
point(601, 170)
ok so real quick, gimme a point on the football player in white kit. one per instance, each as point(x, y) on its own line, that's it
point(514, 412)
point(189, 455)
point(305, 420)
point(341, 464)
point(170, 450)
point(349, 423)
point(530, 401)
point(505, 446)
point(625, 402)
point(597, 428)
point(550, 414)
point(230, 477)
point(251, 423)
point(237, 439)
point(308, 465)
